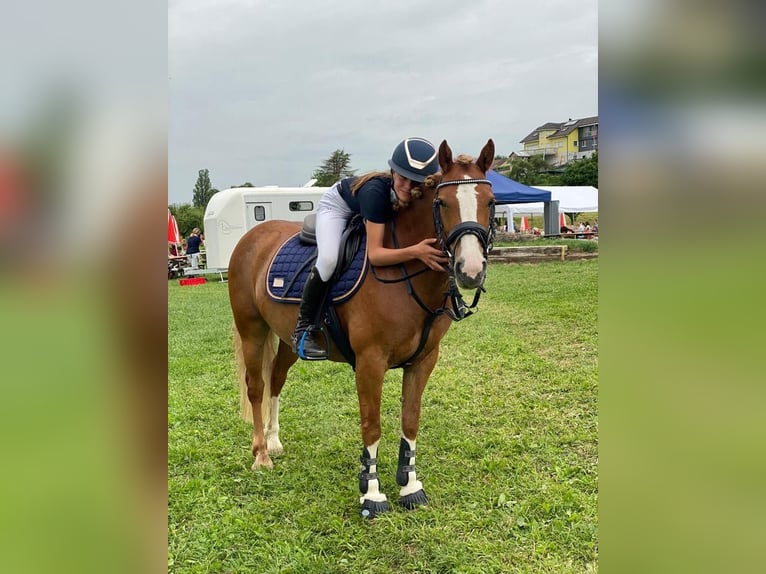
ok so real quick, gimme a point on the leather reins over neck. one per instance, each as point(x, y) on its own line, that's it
point(485, 236)
point(459, 310)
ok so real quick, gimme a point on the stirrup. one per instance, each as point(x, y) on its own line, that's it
point(317, 357)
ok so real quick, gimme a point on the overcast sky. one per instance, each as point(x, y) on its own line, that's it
point(265, 90)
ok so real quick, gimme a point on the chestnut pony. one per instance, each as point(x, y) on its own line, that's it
point(396, 319)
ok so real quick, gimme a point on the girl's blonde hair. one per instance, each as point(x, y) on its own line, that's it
point(416, 192)
point(365, 177)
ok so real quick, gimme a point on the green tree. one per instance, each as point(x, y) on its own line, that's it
point(548, 179)
point(203, 191)
point(501, 165)
point(582, 172)
point(187, 216)
point(529, 171)
point(335, 168)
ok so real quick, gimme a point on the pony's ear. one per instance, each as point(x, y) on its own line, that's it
point(445, 156)
point(487, 156)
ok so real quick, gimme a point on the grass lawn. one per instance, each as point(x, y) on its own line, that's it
point(507, 449)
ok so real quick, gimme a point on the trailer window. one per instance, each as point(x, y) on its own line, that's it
point(301, 205)
point(260, 213)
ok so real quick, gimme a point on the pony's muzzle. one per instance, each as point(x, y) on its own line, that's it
point(470, 276)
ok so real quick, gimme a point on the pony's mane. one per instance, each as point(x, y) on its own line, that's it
point(433, 180)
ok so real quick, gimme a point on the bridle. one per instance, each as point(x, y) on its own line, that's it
point(459, 310)
point(485, 236)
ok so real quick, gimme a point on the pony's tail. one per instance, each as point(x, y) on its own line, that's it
point(269, 354)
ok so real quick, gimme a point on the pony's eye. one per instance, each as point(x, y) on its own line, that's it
point(441, 203)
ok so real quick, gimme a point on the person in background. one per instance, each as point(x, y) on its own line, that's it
point(192, 247)
point(377, 196)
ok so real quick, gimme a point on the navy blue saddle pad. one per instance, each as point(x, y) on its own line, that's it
point(290, 268)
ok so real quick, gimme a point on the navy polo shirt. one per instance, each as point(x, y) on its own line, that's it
point(372, 200)
point(192, 244)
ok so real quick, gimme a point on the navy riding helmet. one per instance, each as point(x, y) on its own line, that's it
point(415, 159)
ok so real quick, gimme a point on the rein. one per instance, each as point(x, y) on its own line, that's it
point(431, 314)
point(459, 310)
point(485, 237)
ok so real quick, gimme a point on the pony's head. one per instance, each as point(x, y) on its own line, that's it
point(464, 209)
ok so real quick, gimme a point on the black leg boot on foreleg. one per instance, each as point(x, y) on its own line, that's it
point(411, 494)
point(372, 500)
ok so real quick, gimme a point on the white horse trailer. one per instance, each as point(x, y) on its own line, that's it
point(232, 212)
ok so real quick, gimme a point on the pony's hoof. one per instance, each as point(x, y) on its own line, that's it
point(414, 500)
point(274, 446)
point(262, 461)
point(371, 508)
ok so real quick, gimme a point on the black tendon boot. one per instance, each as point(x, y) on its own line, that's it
point(308, 341)
point(370, 508)
point(407, 465)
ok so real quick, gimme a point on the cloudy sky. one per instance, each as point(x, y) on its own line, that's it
point(265, 90)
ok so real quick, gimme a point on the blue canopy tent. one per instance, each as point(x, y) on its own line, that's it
point(508, 191)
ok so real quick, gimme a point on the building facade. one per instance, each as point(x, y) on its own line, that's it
point(560, 143)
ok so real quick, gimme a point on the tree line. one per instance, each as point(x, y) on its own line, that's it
point(534, 170)
point(529, 171)
point(191, 215)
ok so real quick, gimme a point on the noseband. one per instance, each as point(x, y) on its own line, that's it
point(485, 236)
point(459, 309)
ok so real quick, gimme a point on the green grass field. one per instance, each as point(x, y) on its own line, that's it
point(507, 449)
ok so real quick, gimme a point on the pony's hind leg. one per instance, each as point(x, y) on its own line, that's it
point(256, 354)
point(284, 360)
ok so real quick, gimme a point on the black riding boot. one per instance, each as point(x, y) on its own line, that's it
point(313, 347)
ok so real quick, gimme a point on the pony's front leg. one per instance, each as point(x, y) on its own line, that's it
point(369, 388)
point(414, 380)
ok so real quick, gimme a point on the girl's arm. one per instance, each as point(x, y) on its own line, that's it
point(426, 251)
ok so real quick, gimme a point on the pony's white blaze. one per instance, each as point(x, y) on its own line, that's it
point(469, 251)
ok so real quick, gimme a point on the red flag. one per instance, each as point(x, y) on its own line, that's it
point(173, 234)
